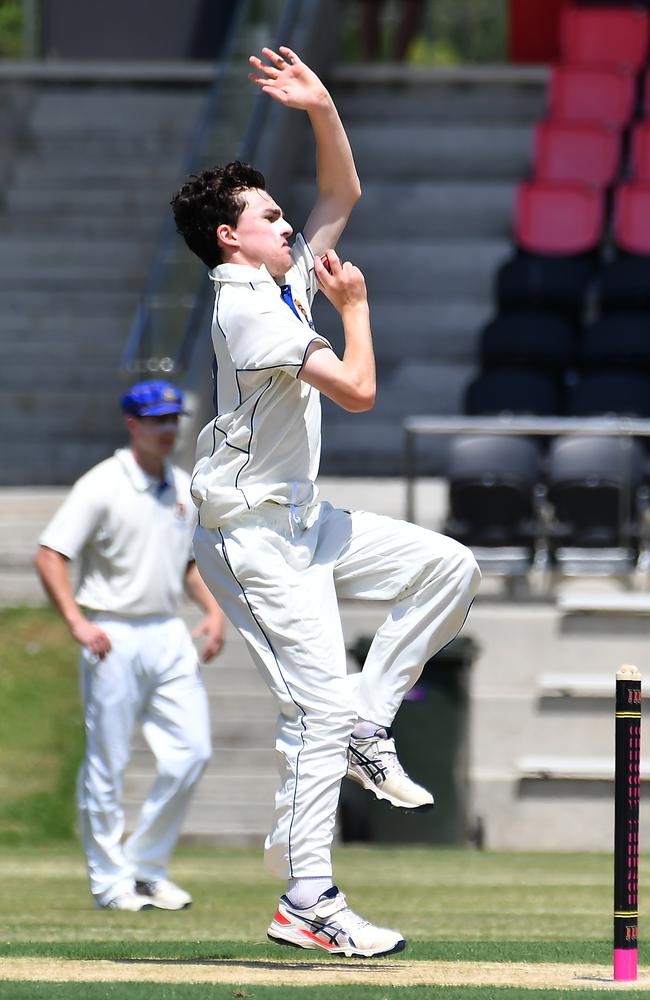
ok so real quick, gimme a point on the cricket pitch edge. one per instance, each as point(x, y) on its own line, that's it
point(305, 973)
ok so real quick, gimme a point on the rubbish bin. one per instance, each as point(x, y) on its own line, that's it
point(431, 733)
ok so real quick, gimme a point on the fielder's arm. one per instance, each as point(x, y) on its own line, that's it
point(213, 626)
point(350, 381)
point(291, 82)
point(52, 568)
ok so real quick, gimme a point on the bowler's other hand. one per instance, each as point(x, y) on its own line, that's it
point(287, 79)
point(213, 628)
point(92, 637)
point(342, 283)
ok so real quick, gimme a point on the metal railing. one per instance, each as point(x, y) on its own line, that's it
point(172, 313)
point(623, 427)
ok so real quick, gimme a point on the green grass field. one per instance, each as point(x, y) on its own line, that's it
point(451, 905)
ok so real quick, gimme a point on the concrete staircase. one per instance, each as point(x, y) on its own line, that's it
point(88, 173)
point(439, 153)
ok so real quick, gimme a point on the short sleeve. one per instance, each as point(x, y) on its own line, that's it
point(303, 258)
point(76, 520)
point(264, 335)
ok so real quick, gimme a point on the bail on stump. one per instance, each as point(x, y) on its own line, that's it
point(627, 787)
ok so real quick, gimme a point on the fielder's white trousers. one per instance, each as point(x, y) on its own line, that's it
point(277, 573)
point(151, 676)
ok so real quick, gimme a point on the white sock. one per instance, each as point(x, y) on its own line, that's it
point(303, 892)
point(364, 729)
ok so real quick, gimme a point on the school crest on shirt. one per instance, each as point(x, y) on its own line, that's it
point(298, 304)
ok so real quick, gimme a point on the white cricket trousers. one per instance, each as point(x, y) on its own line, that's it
point(151, 676)
point(277, 573)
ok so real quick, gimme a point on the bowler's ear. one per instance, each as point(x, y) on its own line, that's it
point(227, 236)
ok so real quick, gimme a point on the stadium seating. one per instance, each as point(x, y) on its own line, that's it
point(617, 341)
point(528, 339)
point(591, 94)
point(607, 393)
point(625, 283)
point(616, 37)
point(592, 486)
point(492, 480)
point(511, 390)
point(586, 152)
point(640, 153)
point(558, 228)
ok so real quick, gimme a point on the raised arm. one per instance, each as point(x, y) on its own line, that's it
point(291, 82)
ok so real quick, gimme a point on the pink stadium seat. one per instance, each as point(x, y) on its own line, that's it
point(640, 158)
point(583, 93)
point(613, 36)
point(558, 218)
point(576, 151)
point(632, 218)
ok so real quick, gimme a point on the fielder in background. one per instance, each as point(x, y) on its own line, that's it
point(274, 556)
point(131, 521)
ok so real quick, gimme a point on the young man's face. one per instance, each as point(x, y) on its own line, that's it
point(261, 234)
point(154, 437)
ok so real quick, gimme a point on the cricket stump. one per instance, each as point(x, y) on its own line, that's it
point(627, 787)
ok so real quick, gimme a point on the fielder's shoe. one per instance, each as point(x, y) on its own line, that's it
point(163, 894)
point(126, 901)
point(331, 925)
point(374, 763)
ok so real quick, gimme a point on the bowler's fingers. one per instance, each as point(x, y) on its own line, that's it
point(271, 72)
point(289, 55)
point(275, 58)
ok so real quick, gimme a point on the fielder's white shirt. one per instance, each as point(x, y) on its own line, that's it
point(264, 443)
point(134, 538)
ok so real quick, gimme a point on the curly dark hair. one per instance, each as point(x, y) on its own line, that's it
point(211, 199)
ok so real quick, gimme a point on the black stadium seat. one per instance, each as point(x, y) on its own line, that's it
point(512, 390)
point(528, 339)
point(491, 487)
point(592, 487)
point(607, 393)
point(617, 341)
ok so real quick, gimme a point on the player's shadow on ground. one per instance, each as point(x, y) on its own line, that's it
point(232, 963)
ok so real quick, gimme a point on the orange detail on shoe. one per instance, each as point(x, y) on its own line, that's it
point(281, 919)
point(323, 944)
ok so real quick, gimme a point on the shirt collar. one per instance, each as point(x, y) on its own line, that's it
point(141, 480)
point(242, 274)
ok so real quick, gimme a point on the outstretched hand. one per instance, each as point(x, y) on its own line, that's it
point(287, 79)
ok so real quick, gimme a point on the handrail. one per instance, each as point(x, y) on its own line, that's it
point(624, 427)
point(171, 314)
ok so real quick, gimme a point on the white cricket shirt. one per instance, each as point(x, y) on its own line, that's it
point(264, 443)
point(134, 537)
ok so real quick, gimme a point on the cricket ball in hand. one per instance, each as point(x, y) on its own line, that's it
point(326, 264)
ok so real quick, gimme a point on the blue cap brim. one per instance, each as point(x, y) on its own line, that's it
point(160, 409)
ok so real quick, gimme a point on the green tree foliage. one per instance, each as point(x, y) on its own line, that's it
point(11, 43)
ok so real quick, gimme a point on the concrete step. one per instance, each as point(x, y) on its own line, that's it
point(62, 277)
point(410, 153)
point(60, 111)
point(54, 461)
point(49, 250)
point(423, 268)
point(466, 94)
point(94, 173)
point(126, 200)
point(469, 209)
point(40, 415)
point(237, 824)
point(28, 223)
point(67, 376)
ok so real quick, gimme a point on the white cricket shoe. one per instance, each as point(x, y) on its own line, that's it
point(163, 894)
point(331, 925)
point(126, 901)
point(373, 763)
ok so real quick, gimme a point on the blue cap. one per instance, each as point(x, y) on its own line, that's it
point(152, 399)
